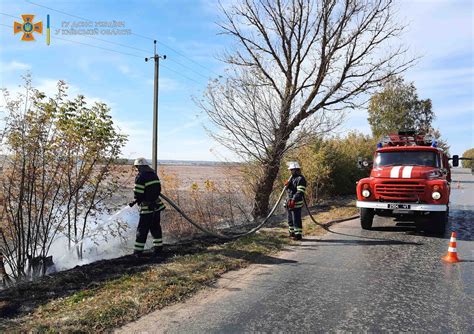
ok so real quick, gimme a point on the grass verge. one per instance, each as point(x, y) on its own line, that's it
point(332, 211)
point(119, 301)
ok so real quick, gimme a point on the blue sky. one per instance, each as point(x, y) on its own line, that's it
point(441, 31)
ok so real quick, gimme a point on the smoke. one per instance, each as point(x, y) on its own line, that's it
point(108, 237)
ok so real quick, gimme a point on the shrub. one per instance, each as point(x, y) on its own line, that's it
point(468, 154)
point(58, 169)
point(330, 165)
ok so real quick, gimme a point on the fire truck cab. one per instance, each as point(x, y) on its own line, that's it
point(410, 175)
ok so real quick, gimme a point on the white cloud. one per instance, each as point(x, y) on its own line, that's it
point(13, 66)
point(49, 87)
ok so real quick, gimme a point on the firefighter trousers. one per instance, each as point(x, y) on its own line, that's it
point(149, 222)
point(295, 224)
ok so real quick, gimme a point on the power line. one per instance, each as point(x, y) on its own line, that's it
point(119, 44)
point(98, 47)
point(91, 37)
point(187, 67)
point(135, 34)
point(185, 76)
point(82, 43)
point(77, 17)
point(191, 60)
point(115, 43)
point(110, 50)
point(15, 17)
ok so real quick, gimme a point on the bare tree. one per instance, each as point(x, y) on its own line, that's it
point(297, 66)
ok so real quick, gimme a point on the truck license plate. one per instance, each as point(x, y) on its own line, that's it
point(399, 206)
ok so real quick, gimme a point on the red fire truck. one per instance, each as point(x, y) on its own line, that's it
point(410, 175)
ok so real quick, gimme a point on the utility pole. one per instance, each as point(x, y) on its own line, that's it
point(154, 153)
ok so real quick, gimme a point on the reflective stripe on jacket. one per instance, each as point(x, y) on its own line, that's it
point(296, 190)
point(147, 191)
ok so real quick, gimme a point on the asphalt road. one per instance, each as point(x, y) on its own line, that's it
point(387, 279)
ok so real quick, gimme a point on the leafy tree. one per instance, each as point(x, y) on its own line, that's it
point(397, 107)
point(442, 143)
point(296, 67)
point(56, 173)
point(468, 154)
point(330, 165)
point(315, 160)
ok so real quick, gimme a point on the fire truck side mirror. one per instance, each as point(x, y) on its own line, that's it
point(455, 159)
point(363, 163)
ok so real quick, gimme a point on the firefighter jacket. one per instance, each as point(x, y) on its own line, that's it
point(147, 191)
point(296, 190)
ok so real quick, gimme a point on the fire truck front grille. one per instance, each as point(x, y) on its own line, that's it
point(401, 191)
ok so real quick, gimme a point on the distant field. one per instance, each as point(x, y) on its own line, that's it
point(183, 176)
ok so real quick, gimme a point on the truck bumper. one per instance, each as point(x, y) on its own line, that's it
point(402, 206)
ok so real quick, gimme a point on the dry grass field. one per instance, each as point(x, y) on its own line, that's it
point(182, 177)
point(213, 195)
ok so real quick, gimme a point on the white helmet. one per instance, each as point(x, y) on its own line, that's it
point(140, 162)
point(294, 165)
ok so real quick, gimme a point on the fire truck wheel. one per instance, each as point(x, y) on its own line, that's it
point(366, 218)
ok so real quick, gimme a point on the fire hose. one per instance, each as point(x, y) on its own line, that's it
point(219, 235)
point(327, 224)
point(259, 226)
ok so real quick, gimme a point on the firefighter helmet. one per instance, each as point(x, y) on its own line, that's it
point(140, 162)
point(294, 165)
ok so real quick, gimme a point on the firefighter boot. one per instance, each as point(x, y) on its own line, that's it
point(299, 237)
point(157, 250)
point(138, 254)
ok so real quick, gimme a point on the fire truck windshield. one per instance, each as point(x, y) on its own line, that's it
point(413, 158)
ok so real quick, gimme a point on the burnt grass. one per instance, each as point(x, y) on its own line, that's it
point(24, 297)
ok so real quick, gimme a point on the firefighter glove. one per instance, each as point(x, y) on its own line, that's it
point(131, 204)
point(291, 204)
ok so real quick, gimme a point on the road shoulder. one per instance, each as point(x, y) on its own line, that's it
point(226, 286)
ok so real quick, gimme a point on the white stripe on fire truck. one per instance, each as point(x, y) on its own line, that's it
point(395, 171)
point(406, 174)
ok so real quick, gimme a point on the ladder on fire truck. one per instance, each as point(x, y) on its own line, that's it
point(408, 138)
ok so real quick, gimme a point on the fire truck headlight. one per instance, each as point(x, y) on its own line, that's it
point(366, 193)
point(436, 195)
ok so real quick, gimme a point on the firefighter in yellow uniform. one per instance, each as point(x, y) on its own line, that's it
point(147, 191)
point(296, 187)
